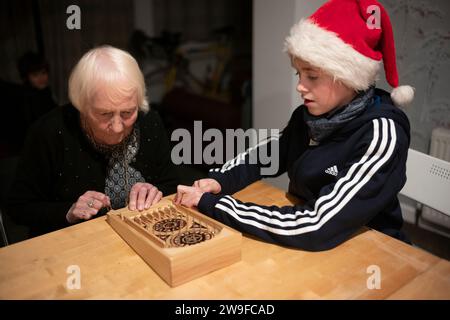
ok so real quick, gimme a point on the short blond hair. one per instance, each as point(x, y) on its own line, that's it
point(106, 65)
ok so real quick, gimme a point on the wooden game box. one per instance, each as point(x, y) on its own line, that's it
point(180, 244)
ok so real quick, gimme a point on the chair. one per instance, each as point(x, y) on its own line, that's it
point(428, 181)
point(3, 232)
point(7, 170)
point(10, 232)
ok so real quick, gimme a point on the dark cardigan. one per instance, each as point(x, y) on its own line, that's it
point(58, 165)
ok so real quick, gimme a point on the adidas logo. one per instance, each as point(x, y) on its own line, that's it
point(332, 170)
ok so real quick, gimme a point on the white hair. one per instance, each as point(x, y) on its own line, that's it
point(110, 67)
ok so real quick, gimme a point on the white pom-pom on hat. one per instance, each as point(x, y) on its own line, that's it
point(402, 95)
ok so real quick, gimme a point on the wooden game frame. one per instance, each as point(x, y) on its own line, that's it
point(178, 265)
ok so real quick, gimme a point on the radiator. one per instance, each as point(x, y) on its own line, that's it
point(431, 219)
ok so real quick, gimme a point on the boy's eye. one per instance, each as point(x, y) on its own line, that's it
point(310, 77)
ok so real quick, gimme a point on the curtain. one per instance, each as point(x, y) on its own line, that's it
point(102, 22)
point(17, 35)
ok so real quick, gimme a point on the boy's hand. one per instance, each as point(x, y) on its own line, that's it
point(208, 185)
point(188, 196)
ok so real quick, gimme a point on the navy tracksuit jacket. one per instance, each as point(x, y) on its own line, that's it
point(348, 181)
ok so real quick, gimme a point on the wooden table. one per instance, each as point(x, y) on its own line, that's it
point(110, 269)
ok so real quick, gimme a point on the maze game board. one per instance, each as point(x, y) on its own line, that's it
point(180, 244)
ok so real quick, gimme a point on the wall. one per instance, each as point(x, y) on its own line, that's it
point(422, 33)
point(143, 16)
point(274, 95)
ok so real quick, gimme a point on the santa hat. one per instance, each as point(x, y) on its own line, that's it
point(345, 40)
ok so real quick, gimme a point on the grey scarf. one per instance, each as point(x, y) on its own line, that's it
point(120, 176)
point(321, 127)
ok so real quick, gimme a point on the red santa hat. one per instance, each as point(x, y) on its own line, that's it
point(344, 39)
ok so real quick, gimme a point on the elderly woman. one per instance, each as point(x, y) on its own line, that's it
point(104, 150)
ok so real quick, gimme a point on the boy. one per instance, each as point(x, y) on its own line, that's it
point(344, 149)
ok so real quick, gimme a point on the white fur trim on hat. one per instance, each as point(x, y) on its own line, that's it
point(325, 50)
point(402, 95)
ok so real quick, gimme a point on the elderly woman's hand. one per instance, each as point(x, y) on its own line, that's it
point(188, 196)
point(87, 206)
point(143, 195)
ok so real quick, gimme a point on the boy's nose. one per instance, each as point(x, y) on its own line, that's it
point(301, 88)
